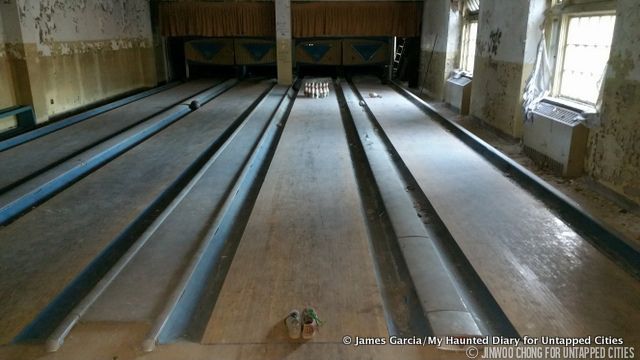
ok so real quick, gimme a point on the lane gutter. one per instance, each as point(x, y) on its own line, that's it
point(608, 240)
point(208, 251)
point(46, 322)
point(57, 125)
point(455, 302)
point(23, 198)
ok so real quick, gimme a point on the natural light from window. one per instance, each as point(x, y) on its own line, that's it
point(586, 52)
point(467, 57)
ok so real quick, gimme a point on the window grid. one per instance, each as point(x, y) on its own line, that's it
point(585, 56)
point(472, 5)
point(468, 54)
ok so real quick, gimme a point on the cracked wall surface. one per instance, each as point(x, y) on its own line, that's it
point(614, 148)
point(7, 92)
point(508, 35)
point(64, 55)
point(439, 48)
point(507, 40)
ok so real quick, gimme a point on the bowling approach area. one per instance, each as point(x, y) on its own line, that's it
point(160, 230)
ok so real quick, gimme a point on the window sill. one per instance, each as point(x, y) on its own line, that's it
point(456, 74)
point(572, 104)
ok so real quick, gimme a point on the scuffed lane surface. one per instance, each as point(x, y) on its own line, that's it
point(141, 290)
point(547, 279)
point(28, 158)
point(305, 243)
point(43, 251)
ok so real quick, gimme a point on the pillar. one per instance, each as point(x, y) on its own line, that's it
point(283, 42)
point(439, 46)
point(508, 36)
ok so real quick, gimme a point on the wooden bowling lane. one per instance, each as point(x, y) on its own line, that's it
point(547, 278)
point(305, 243)
point(47, 251)
point(25, 160)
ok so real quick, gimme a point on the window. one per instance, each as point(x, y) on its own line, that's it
point(469, 33)
point(468, 53)
point(584, 55)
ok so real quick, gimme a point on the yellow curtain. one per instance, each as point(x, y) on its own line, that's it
point(309, 19)
point(351, 18)
point(217, 19)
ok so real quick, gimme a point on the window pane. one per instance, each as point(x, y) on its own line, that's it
point(467, 56)
point(586, 53)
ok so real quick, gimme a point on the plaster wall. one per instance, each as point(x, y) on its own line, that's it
point(614, 148)
point(508, 36)
point(68, 54)
point(439, 46)
point(7, 94)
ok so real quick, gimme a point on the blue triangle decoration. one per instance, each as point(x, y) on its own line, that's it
point(366, 50)
point(316, 51)
point(258, 50)
point(207, 49)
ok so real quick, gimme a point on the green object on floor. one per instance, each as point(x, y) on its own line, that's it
point(312, 314)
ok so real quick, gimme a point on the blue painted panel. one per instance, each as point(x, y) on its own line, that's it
point(258, 50)
point(207, 49)
point(316, 51)
point(366, 50)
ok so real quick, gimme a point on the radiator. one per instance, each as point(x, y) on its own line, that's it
point(554, 138)
point(458, 94)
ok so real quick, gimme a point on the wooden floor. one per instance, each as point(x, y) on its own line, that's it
point(43, 251)
point(141, 290)
point(547, 278)
point(109, 341)
point(305, 244)
point(31, 157)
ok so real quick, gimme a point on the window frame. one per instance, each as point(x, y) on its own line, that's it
point(465, 44)
point(467, 18)
point(559, 39)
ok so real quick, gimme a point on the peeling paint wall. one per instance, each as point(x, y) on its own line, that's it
point(614, 148)
point(507, 40)
point(7, 97)
point(7, 94)
point(66, 21)
point(508, 35)
point(440, 45)
point(73, 53)
point(2, 36)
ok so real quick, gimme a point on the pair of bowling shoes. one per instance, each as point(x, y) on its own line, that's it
point(304, 325)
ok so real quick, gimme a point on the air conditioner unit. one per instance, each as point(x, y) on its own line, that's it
point(555, 137)
point(458, 93)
